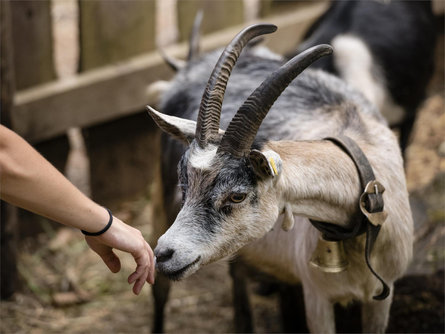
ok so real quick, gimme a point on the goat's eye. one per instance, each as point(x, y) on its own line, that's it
point(237, 198)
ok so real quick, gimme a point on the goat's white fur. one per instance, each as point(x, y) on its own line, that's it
point(356, 66)
point(202, 158)
point(354, 62)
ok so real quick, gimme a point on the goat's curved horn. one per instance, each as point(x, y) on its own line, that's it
point(210, 108)
point(195, 37)
point(244, 126)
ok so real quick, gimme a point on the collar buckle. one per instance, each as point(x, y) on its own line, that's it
point(371, 203)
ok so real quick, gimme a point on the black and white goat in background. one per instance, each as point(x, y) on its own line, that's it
point(385, 49)
point(254, 187)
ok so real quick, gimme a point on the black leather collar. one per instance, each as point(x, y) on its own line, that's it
point(371, 205)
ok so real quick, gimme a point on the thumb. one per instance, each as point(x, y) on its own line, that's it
point(106, 253)
point(112, 261)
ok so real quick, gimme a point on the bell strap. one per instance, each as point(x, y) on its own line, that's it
point(371, 205)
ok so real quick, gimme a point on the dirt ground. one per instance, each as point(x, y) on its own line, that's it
point(66, 288)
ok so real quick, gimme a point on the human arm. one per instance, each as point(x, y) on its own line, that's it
point(29, 181)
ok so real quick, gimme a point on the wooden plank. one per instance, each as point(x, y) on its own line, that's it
point(90, 98)
point(32, 40)
point(7, 80)
point(115, 30)
point(218, 14)
point(8, 213)
point(113, 91)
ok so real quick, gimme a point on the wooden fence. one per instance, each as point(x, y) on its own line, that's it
point(117, 62)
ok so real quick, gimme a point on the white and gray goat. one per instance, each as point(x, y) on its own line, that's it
point(257, 187)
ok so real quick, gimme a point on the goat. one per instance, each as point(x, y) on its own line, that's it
point(166, 208)
point(240, 186)
point(387, 53)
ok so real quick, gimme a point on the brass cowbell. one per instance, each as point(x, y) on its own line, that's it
point(329, 256)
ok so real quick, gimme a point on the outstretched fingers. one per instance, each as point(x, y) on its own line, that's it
point(138, 285)
point(144, 268)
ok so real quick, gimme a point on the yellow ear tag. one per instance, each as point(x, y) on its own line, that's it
point(272, 163)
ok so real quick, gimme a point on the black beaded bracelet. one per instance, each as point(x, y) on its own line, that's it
point(105, 229)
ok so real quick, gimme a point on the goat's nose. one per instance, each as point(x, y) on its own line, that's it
point(163, 254)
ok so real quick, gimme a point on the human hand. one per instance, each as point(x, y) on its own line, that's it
point(128, 239)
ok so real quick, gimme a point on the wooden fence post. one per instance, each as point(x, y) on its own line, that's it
point(34, 62)
point(120, 150)
point(8, 213)
point(110, 31)
point(122, 158)
point(32, 40)
point(32, 49)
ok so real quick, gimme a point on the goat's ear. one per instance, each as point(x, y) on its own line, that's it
point(265, 164)
point(180, 128)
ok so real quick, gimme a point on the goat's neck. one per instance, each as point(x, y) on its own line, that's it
point(318, 180)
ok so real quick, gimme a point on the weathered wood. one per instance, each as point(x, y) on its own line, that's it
point(7, 82)
point(218, 14)
point(118, 150)
point(86, 99)
point(122, 158)
point(116, 90)
point(32, 45)
point(32, 40)
point(8, 214)
point(8, 241)
point(112, 31)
